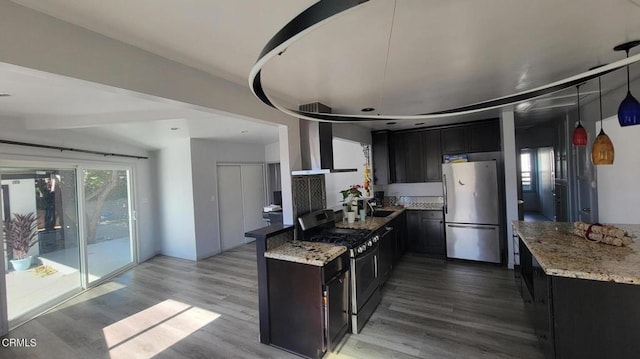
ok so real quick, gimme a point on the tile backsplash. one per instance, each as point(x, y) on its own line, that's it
point(414, 201)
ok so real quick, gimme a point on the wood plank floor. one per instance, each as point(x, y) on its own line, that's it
point(171, 308)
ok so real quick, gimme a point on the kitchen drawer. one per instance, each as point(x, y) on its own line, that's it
point(334, 267)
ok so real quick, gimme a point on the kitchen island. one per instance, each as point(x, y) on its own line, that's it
point(583, 297)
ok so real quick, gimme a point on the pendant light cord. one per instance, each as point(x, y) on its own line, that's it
point(386, 60)
point(628, 84)
point(600, 99)
point(578, 88)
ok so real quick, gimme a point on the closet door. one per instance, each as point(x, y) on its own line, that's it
point(253, 197)
point(241, 196)
point(230, 207)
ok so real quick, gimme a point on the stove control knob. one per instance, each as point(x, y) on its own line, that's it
point(375, 239)
point(360, 250)
point(369, 243)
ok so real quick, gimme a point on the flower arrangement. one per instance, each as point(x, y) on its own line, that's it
point(349, 194)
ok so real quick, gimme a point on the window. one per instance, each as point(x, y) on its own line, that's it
point(527, 170)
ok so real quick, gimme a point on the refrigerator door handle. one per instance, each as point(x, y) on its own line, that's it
point(444, 187)
point(474, 227)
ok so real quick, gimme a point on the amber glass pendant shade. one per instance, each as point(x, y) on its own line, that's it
point(579, 136)
point(602, 152)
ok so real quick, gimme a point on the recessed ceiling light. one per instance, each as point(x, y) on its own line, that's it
point(391, 123)
point(175, 128)
point(244, 131)
point(4, 94)
point(368, 109)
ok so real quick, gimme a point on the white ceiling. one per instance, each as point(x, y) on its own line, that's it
point(44, 101)
point(400, 57)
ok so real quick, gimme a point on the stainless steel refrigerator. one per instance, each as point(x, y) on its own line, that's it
point(472, 210)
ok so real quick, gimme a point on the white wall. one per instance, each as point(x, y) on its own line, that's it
point(618, 193)
point(507, 123)
point(272, 152)
point(546, 182)
point(175, 190)
point(147, 210)
point(290, 160)
point(22, 198)
point(205, 155)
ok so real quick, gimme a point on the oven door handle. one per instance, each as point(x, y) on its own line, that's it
point(375, 265)
point(326, 343)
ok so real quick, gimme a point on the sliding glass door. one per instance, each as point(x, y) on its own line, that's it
point(64, 229)
point(107, 221)
point(41, 241)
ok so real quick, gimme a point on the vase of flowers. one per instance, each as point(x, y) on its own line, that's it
point(349, 196)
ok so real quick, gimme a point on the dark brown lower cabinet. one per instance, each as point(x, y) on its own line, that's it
point(425, 232)
point(579, 318)
point(308, 305)
point(399, 225)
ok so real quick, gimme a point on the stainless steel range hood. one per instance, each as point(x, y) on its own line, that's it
point(316, 144)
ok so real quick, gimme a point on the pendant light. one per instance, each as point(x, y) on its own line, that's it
point(579, 137)
point(602, 152)
point(629, 109)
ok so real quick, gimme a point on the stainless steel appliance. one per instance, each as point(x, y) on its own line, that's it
point(472, 211)
point(316, 144)
point(362, 245)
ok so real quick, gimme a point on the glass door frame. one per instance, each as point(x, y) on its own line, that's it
point(34, 162)
point(133, 229)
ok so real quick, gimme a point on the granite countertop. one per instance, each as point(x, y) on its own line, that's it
point(372, 223)
point(560, 253)
point(313, 253)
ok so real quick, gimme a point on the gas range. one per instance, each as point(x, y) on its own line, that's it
point(319, 226)
point(357, 241)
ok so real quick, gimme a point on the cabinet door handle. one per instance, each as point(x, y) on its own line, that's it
point(444, 187)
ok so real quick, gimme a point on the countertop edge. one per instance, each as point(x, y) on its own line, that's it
point(277, 253)
point(268, 231)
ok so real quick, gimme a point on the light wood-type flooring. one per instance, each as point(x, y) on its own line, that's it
point(171, 308)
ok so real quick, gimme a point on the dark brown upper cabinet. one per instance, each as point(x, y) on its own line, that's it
point(484, 137)
point(415, 163)
point(380, 154)
point(432, 155)
point(475, 137)
point(412, 156)
point(454, 140)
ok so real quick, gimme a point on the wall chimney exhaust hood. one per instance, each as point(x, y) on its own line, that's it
point(316, 144)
